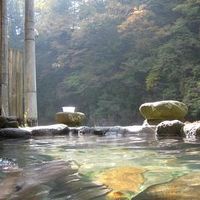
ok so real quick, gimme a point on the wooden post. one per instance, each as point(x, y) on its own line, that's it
point(16, 83)
point(1, 50)
point(3, 59)
point(30, 98)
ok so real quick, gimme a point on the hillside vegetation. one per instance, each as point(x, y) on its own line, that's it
point(107, 57)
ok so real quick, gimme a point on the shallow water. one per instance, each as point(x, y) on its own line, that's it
point(28, 173)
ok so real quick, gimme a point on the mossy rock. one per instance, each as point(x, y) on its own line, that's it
point(164, 110)
point(70, 119)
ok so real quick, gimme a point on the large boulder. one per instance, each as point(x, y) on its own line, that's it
point(169, 128)
point(70, 119)
point(164, 110)
point(191, 130)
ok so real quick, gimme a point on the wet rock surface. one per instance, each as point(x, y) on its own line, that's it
point(62, 129)
point(165, 129)
point(14, 133)
point(112, 130)
point(169, 128)
point(191, 130)
point(51, 130)
point(184, 188)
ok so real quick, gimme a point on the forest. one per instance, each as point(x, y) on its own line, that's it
point(107, 57)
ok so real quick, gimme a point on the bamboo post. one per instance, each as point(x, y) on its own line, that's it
point(3, 59)
point(1, 50)
point(30, 114)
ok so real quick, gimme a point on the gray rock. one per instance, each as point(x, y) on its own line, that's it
point(82, 130)
point(98, 130)
point(164, 110)
point(145, 128)
point(51, 130)
point(191, 130)
point(169, 128)
point(14, 133)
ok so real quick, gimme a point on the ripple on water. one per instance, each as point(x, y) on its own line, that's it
point(162, 161)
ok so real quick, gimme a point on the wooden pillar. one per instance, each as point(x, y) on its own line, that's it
point(30, 98)
point(3, 58)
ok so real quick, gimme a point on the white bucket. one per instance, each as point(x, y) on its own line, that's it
point(70, 109)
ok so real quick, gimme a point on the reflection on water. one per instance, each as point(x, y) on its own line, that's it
point(81, 167)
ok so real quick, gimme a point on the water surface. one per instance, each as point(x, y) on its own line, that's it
point(88, 159)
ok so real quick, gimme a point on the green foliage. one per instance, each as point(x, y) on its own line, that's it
point(106, 57)
point(15, 23)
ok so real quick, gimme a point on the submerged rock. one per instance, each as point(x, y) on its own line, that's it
point(52, 180)
point(164, 110)
point(117, 195)
point(169, 128)
point(191, 130)
point(20, 184)
point(184, 188)
point(124, 179)
point(70, 119)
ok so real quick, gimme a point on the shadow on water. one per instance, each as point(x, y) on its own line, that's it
point(52, 180)
point(72, 167)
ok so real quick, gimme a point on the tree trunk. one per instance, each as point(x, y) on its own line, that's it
point(3, 59)
point(30, 114)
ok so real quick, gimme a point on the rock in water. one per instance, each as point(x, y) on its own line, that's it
point(14, 133)
point(169, 128)
point(123, 179)
point(183, 188)
point(191, 130)
point(164, 110)
point(22, 184)
point(51, 130)
point(70, 119)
